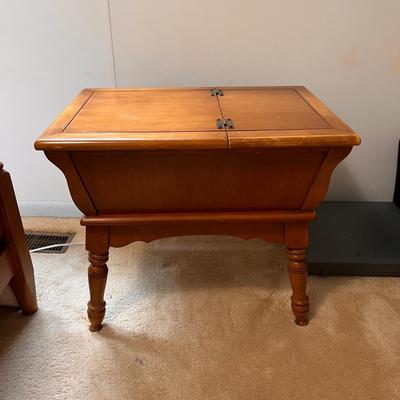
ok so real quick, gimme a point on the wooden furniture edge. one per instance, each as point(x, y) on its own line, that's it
point(6, 269)
point(326, 113)
point(320, 185)
point(291, 138)
point(16, 248)
point(197, 217)
point(170, 141)
point(76, 186)
point(54, 139)
point(65, 118)
point(128, 228)
point(205, 140)
point(174, 88)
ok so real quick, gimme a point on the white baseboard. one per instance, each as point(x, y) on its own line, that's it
point(48, 209)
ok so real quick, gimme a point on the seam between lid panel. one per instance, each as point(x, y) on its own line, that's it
point(222, 116)
point(80, 108)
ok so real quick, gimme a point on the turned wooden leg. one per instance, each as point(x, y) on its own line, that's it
point(97, 274)
point(296, 242)
point(97, 243)
point(297, 267)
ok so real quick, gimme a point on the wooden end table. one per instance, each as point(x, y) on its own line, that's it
point(143, 164)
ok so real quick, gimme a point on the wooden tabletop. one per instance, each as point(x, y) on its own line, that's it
point(196, 118)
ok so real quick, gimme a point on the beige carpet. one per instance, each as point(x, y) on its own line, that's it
point(199, 318)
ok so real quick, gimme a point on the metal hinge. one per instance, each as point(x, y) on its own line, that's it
point(224, 123)
point(216, 92)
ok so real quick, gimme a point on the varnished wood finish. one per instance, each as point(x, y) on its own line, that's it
point(97, 274)
point(136, 111)
point(79, 194)
point(15, 262)
point(97, 244)
point(144, 164)
point(127, 228)
point(127, 130)
point(123, 235)
point(296, 239)
point(266, 109)
point(71, 111)
point(220, 217)
point(297, 267)
point(320, 184)
point(213, 180)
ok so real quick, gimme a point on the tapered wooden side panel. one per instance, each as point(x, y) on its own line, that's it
point(79, 194)
point(320, 185)
point(128, 182)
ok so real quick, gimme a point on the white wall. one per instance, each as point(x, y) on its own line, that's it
point(346, 52)
point(49, 51)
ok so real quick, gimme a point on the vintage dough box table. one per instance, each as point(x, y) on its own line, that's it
point(143, 164)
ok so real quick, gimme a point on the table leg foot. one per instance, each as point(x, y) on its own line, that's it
point(24, 291)
point(297, 267)
point(97, 274)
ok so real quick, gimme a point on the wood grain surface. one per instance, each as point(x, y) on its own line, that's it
point(144, 164)
point(16, 266)
point(185, 118)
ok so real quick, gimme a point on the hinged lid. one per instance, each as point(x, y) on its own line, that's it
point(199, 118)
point(281, 117)
point(137, 119)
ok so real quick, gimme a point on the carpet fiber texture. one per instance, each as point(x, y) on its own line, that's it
point(198, 318)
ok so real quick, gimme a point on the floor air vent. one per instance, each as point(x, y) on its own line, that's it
point(42, 239)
